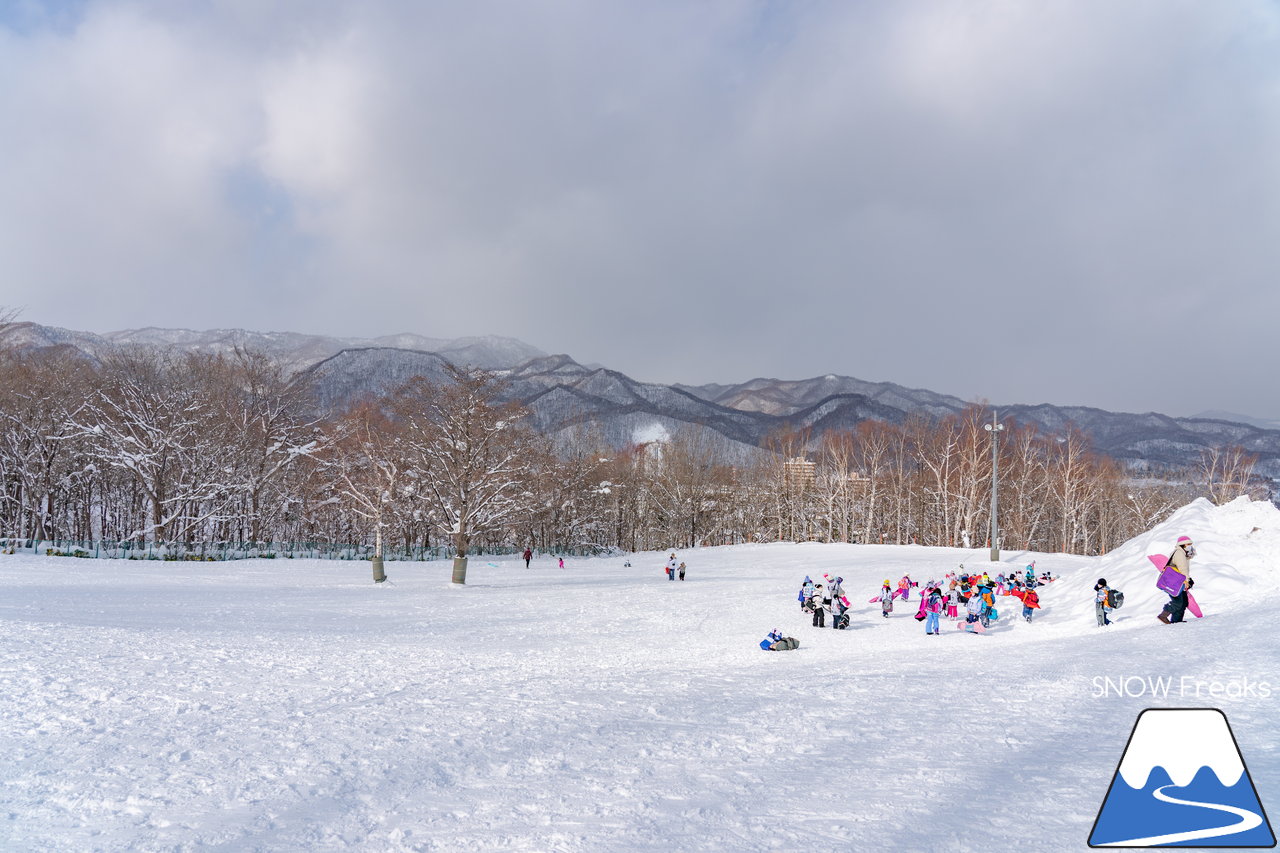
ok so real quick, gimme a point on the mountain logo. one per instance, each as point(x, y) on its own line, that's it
point(1182, 782)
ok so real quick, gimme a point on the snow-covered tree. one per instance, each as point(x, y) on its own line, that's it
point(476, 459)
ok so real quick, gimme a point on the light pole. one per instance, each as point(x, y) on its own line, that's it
point(994, 428)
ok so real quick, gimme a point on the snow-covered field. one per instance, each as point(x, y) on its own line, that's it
point(294, 705)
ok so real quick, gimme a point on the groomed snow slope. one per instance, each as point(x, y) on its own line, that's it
point(294, 705)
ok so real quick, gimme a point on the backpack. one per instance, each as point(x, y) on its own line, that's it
point(1115, 599)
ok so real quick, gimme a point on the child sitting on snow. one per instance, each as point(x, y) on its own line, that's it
point(775, 642)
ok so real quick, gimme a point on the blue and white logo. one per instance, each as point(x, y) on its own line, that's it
point(1182, 783)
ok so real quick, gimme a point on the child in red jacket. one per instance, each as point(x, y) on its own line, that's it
point(1030, 602)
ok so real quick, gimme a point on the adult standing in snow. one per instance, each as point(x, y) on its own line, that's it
point(1100, 593)
point(671, 567)
point(528, 555)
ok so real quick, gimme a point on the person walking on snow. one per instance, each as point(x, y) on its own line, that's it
point(1100, 608)
point(1030, 601)
point(671, 567)
point(886, 600)
point(528, 555)
point(933, 610)
point(682, 571)
point(562, 562)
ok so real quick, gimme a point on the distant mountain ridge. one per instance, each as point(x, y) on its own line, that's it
point(295, 350)
point(564, 396)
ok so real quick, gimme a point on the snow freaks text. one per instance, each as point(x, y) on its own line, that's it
point(1180, 687)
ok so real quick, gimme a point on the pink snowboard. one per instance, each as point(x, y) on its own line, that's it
point(903, 591)
point(1193, 607)
point(976, 626)
point(1159, 559)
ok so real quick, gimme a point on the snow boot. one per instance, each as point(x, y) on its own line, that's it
point(1164, 616)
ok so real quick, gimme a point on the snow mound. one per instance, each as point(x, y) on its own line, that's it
point(1237, 553)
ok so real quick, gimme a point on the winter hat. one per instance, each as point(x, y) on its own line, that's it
point(806, 579)
point(839, 580)
point(1184, 540)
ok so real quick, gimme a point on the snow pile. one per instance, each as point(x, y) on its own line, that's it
point(1237, 555)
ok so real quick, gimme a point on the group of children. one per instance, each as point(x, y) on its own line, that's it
point(974, 597)
point(823, 598)
point(973, 594)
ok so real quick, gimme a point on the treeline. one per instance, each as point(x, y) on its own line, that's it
point(184, 450)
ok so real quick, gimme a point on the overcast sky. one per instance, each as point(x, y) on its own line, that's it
point(1069, 202)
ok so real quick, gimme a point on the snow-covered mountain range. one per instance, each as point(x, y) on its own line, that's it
point(565, 395)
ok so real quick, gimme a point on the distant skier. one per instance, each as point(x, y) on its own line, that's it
point(1100, 593)
point(528, 555)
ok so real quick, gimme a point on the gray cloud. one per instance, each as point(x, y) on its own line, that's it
point(1072, 202)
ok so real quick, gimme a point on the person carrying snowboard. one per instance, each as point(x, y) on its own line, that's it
point(886, 600)
point(1101, 592)
point(933, 611)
